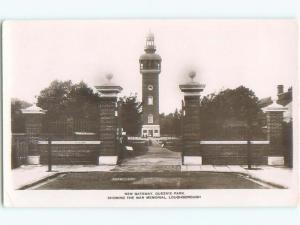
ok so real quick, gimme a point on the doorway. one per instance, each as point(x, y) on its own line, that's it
point(150, 133)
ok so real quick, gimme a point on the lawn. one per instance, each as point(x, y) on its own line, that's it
point(148, 180)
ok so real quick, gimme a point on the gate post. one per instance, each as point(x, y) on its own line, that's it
point(33, 128)
point(274, 113)
point(191, 121)
point(108, 122)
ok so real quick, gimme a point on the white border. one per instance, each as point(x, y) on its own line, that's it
point(96, 198)
point(233, 142)
point(70, 142)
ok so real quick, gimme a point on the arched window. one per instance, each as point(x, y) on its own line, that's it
point(142, 65)
point(150, 100)
point(150, 118)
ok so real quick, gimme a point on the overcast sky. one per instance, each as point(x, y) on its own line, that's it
point(225, 54)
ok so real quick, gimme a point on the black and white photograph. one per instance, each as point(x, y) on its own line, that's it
point(150, 112)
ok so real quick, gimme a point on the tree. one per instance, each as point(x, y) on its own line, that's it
point(171, 124)
point(130, 114)
point(17, 119)
point(54, 98)
point(238, 106)
point(82, 102)
point(62, 99)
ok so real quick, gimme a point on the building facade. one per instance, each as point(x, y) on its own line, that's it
point(150, 67)
point(284, 98)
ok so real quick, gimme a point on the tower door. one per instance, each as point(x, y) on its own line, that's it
point(150, 133)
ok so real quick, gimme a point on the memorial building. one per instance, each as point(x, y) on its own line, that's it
point(150, 67)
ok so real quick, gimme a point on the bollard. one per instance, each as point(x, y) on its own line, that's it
point(49, 156)
point(249, 155)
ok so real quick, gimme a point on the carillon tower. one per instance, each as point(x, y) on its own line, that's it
point(150, 66)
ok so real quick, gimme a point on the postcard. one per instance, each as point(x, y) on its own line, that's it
point(150, 113)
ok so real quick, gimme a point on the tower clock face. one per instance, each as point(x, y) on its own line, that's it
point(150, 87)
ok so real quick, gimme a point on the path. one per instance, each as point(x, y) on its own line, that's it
point(156, 158)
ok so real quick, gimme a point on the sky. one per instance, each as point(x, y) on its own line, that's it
point(259, 54)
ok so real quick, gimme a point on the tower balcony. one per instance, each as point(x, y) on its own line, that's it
point(149, 71)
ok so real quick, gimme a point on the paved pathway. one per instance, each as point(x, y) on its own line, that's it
point(155, 159)
point(280, 176)
point(29, 174)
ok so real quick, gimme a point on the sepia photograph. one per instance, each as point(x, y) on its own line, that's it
point(150, 112)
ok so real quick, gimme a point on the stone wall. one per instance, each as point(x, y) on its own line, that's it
point(233, 154)
point(70, 154)
point(221, 153)
point(76, 149)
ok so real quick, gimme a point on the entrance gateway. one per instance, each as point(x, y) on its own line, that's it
point(150, 67)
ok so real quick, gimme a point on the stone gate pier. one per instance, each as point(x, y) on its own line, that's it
point(274, 113)
point(33, 116)
point(108, 122)
point(191, 121)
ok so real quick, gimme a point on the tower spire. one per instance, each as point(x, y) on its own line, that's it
point(150, 46)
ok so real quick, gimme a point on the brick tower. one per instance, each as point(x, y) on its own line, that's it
point(150, 66)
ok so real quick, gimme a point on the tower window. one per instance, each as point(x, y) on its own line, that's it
point(150, 118)
point(150, 87)
point(142, 66)
point(150, 100)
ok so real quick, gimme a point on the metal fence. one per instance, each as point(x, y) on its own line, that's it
point(69, 126)
point(20, 146)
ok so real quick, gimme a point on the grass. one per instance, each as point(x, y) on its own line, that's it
point(148, 180)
